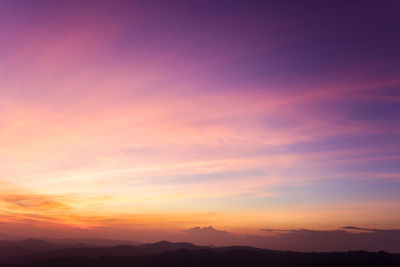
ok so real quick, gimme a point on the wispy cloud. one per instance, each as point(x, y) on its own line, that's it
point(33, 202)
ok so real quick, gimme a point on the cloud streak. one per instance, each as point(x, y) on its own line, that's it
point(32, 202)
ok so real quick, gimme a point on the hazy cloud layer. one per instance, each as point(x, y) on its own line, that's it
point(304, 239)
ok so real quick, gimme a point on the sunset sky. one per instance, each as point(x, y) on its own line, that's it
point(143, 119)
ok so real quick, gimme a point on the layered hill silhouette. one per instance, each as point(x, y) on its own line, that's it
point(35, 252)
point(15, 249)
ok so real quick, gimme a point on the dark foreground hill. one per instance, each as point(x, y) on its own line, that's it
point(186, 254)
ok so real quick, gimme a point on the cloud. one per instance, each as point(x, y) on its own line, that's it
point(205, 230)
point(277, 230)
point(394, 231)
point(302, 239)
point(333, 240)
point(33, 202)
point(208, 236)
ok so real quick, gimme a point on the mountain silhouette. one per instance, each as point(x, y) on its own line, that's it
point(102, 242)
point(10, 237)
point(34, 252)
point(50, 250)
point(14, 249)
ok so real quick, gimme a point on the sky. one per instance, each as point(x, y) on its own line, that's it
point(153, 119)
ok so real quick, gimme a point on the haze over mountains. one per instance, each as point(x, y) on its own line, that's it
point(302, 240)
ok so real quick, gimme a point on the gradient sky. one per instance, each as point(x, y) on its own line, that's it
point(127, 117)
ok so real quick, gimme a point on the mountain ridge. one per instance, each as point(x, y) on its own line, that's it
point(165, 253)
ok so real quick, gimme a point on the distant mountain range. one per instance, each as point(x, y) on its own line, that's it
point(37, 252)
point(89, 241)
point(92, 241)
point(10, 237)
